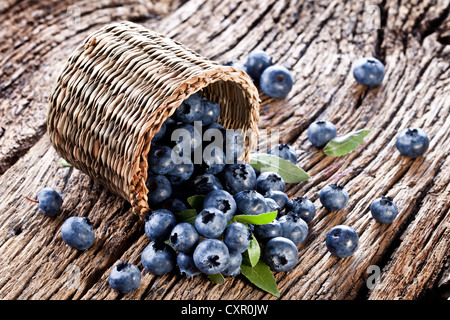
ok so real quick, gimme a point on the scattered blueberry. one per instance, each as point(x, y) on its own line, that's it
point(384, 210)
point(293, 228)
point(158, 258)
point(213, 160)
point(181, 171)
point(285, 151)
point(333, 197)
point(276, 81)
point(190, 110)
point(211, 256)
point(342, 241)
point(186, 265)
point(124, 277)
point(211, 112)
point(78, 233)
point(238, 177)
point(184, 237)
point(369, 71)
point(237, 237)
point(267, 181)
point(160, 159)
point(159, 188)
point(250, 202)
point(159, 224)
point(234, 264)
point(412, 142)
point(257, 61)
point(301, 207)
point(174, 205)
point(50, 201)
point(272, 205)
point(321, 132)
point(268, 231)
point(210, 223)
point(206, 183)
point(280, 197)
point(221, 200)
point(280, 254)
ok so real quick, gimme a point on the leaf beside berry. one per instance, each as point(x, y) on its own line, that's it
point(262, 277)
point(262, 218)
point(251, 256)
point(341, 146)
point(286, 169)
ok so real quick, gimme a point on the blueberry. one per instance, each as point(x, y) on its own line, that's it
point(272, 205)
point(250, 202)
point(174, 205)
point(182, 171)
point(187, 140)
point(206, 183)
point(158, 258)
point(211, 256)
point(159, 224)
point(213, 160)
point(301, 207)
point(221, 200)
point(333, 197)
point(124, 277)
point(160, 134)
point(234, 145)
point(384, 210)
point(285, 151)
point(190, 109)
point(280, 254)
point(238, 177)
point(269, 181)
point(159, 188)
point(280, 197)
point(342, 241)
point(369, 71)
point(257, 61)
point(320, 132)
point(276, 82)
point(412, 142)
point(160, 159)
point(50, 201)
point(184, 237)
point(210, 223)
point(234, 264)
point(268, 231)
point(78, 233)
point(237, 237)
point(186, 265)
point(211, 112)
point(293, 228)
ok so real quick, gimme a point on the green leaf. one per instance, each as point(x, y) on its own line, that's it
point(187, 215)
point(262, 277)
point(196, 202)
point(340, 146)
point(217, 278)
point(262, 218)
point(286, 169)
point(251, 256)
point(64, 163)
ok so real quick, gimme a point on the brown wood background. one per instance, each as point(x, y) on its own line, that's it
point(318, 41)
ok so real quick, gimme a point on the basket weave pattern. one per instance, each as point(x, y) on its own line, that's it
point(116, 90)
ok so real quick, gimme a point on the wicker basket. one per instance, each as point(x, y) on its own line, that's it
point(116, 90)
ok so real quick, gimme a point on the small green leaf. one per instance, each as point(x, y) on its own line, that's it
point(262, 277)
point(340, 146)
point(187, 215)
point(217, 278)
point(286, 169)
point(196, 202)
point(262, 218)
point(251, 256)
point(64, 163)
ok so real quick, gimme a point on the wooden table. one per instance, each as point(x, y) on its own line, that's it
point(318, 41)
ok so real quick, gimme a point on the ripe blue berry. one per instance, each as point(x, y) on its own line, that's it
point(159, 224)
point(181, 171)
point(187, 140)
point(250, 202)
point(369, 71)
point(186, 265)
point(276, 81)
point(268, 231)
point(412, 142)
point(190, 110)
point(272, 205)
point(285, 151)
point(320, 132)
point(257, 61)
point(206, 183)
point(159, 188)
point(342, 241)
point(280, 197)
point(293, 228)
point(211, 256)
point(158, 258)
point(124, 277)
point(234, 264)
point(237, 177)
point(78, 233)
point(280, 254)
point(174, 205)
point(267, 181)
point(50, 201)
point(234, 145)
point(237, 237)
point(333, 197)
point(384, 210)
point(160, 160)
point(210, 223)
point(221, 200)
point(301, 207)
point(213, 160)
point(184, 237)
point(211, 112)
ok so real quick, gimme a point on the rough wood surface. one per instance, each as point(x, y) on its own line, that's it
point(318, 41)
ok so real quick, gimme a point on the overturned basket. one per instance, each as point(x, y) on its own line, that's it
point(117, 89)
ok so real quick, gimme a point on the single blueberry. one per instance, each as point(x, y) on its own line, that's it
point(272, 205)
point(187, 139)
point(50, 201)
point(237, 237)
point(321, 132)
point(221, 200)
point(268, 231)
point(160, 159)
point(211, 256)
point(269, 181)
point(412, 142)
point(211, 112)
point(234, 146)
point(174, 205)
point(159, 188)
point(234, 265)
point(280, 197)
point(210, 223)
point(78, 233)
point(285, 151)
point(369, 71)
point(184, 237)
point(238, 177)
point(384, 210)
point(213, 160)
point(301, 207)
point(124, 277)
point(158, 258)
point(333, 197)
point(342, 241)
point(206, 183)
point(190, 109)
point(257, 61)
point(293, 228)
point(250, 202)
point(280, 254)
point(276, 81)
point(186, 265)
point(159, 224)
point(182, 171)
